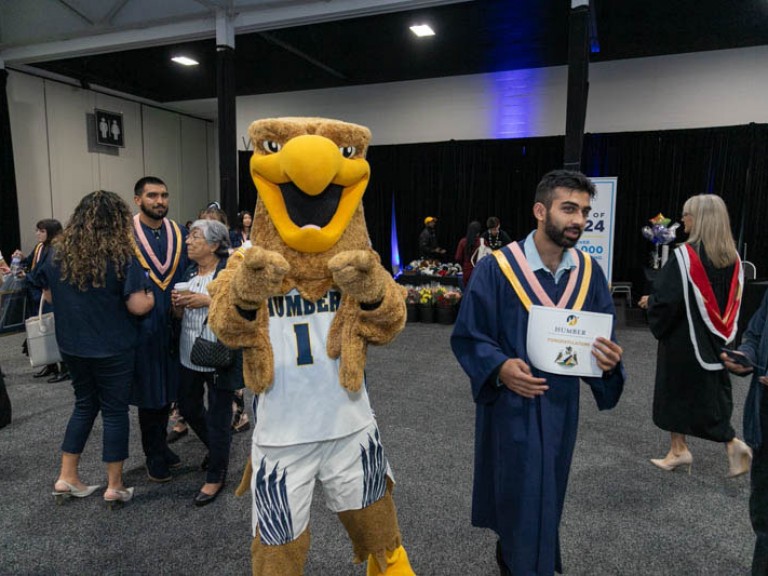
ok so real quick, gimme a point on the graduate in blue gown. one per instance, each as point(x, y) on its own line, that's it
point(161, 249)
point(526, 420)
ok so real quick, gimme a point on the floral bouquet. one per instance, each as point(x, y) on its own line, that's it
point(661, 234)
point(426, 296)
point(448, 298)
point(412, 296)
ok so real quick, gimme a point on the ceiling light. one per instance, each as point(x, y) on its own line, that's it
point(422, 30)
point(185, 61)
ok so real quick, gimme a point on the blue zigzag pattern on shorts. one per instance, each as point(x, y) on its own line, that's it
point(275, 522)
point(374, 470)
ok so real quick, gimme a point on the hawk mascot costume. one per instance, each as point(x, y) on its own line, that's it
point(303, 303)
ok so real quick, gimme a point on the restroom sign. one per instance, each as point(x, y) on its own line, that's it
point(109, 128)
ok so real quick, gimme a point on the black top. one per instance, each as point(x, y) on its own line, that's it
point(496, 241)
point(94, 323)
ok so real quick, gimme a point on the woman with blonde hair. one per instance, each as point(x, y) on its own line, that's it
point(99, 289)
point(693, 312)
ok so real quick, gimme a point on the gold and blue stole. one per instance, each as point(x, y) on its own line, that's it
point(37, 255)
point(160, 272)
point(528, 288)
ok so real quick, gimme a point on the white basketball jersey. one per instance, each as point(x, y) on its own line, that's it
point(306, 402)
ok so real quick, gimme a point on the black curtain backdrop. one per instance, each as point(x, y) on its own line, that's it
point(460, 181)
point(10, 237)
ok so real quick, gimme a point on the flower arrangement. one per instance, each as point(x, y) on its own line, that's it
point(426, 296)
point(661, 234)
point(412, 296)
point(449, 297)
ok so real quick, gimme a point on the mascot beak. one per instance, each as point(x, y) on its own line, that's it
point(311, 163)
point(311, 189)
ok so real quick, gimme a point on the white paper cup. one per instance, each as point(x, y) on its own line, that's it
point(182, 287)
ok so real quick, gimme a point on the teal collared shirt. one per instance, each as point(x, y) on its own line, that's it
point(534, 260)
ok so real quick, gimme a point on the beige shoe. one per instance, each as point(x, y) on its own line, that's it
point(673, 461)
point(739, 458)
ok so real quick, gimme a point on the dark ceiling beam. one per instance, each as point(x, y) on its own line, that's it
point(76, 11)
point(293, 50)
point(109, 16)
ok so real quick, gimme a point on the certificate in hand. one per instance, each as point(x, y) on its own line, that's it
point(560, 340)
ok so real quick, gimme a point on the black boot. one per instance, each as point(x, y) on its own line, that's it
point(153, 424)
point(48, 370)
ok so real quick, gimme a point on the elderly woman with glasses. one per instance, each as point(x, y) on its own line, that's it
point(207, 248)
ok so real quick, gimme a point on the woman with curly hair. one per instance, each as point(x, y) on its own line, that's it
point(99, 289)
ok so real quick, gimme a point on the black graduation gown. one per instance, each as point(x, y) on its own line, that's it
point(687, 398)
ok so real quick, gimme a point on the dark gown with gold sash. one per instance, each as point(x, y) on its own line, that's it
point(523, 447)
point(156, 380)
point(687, 398)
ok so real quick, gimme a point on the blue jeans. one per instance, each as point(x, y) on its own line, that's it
point(100, 384)
point(212, 425)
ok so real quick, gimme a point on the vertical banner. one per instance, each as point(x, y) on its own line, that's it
point(597, 239)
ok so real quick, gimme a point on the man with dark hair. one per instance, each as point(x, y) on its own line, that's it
point(161, 250)
point(494, 236)
point(526, 419)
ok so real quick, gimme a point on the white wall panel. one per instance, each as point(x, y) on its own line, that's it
point(720, 88)
point(26, 102)
point(74, 170)
point(118, 173)
point(723, 88)
point(193, 195)
point(162, 152)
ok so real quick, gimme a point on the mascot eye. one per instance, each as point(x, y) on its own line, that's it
point(347, 151)
point(271, 146)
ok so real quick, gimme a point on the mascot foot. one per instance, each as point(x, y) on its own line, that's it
point(397, 564)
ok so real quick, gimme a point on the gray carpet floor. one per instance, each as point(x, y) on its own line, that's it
point(622, 516)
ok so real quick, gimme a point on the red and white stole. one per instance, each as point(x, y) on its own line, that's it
point(723, 324)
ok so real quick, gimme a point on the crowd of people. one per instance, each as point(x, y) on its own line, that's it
point(149, 276)
point(123, 269)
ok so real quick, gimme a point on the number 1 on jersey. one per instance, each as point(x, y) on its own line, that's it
point(303, 347)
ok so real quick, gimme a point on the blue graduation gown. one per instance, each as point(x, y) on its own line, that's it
point(156, 379)
point(523, 447)
point(755, 345)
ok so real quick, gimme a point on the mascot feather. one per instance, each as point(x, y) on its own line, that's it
point(303, 303)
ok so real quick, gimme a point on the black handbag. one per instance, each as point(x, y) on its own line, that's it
point(210, 354)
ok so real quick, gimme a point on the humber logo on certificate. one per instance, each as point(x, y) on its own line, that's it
point(559, 341)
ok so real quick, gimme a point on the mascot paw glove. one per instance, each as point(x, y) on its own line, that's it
point(259, 277)
point(358, 274)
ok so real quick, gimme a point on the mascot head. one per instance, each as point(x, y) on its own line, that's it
point(310, 174)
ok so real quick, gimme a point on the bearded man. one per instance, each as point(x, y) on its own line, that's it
point(161, 249)
point(526, 419)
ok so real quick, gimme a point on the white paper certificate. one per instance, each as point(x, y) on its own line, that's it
point(560, 340)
